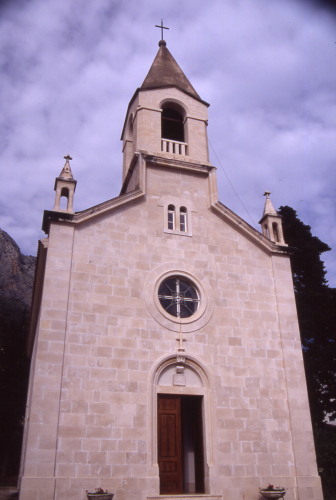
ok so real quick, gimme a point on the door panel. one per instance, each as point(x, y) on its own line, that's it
point(169, 444)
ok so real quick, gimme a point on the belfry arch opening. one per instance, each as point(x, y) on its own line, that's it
point(64, 199)
point(265, 230)
point(172, 122)
point(180, 444)
point(275, 232)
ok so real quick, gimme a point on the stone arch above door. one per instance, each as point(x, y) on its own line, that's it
point(189, 378)
point(199, 376)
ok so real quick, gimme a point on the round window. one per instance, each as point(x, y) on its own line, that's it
point(178, 297)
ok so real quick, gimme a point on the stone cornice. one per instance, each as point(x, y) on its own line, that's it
point(89, 213)
point(244, 228)
point(106, 206)
point(55, 216)
point(185, 164)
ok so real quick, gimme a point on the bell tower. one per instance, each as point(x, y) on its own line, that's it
point(166, 116)
point(65, 186)
point(271, 223)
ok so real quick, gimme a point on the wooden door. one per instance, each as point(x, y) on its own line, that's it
point(169, 444)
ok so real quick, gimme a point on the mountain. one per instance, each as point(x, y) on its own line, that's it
point(16, 271)
point(16, 286)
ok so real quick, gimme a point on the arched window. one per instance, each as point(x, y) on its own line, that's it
point(183, 219)
point(171, 217)
point(172, 126)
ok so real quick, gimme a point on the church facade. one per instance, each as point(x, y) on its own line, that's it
point(166, 354)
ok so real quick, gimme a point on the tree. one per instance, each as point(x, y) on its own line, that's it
point(325, 445)
point(316, 307)
point(14, 369)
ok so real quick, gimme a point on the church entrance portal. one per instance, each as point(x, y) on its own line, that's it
point(180, 444)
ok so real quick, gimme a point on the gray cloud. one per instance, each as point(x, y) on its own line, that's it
point(69, 69)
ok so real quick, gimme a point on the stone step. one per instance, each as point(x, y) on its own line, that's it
point(188, 496)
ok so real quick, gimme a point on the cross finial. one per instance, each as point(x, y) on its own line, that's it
point(162, 28)
point(66, 170)
point(180, 340)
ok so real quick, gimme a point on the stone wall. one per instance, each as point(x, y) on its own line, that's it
point(100, 350)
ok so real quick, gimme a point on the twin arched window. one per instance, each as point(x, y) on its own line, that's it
point(181, 223)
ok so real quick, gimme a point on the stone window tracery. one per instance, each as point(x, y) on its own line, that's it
point(178, 297)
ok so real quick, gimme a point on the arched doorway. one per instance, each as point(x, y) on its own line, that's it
point(180, 444)
point(181, 426)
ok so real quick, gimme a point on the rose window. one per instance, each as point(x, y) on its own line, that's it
point(178, 297)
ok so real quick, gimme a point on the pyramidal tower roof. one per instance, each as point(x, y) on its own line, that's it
point(269, 209)
point(166, 72)
point(66, 173)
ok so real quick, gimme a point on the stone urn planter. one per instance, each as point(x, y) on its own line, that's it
point(99, 494)
point(274, 493)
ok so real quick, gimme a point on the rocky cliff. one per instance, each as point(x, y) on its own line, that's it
point(16, 286)
point(16, 271)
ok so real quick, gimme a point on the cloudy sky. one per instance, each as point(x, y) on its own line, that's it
point(267, 67)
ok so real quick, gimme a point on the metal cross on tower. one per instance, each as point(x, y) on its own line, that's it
point(162, 28)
